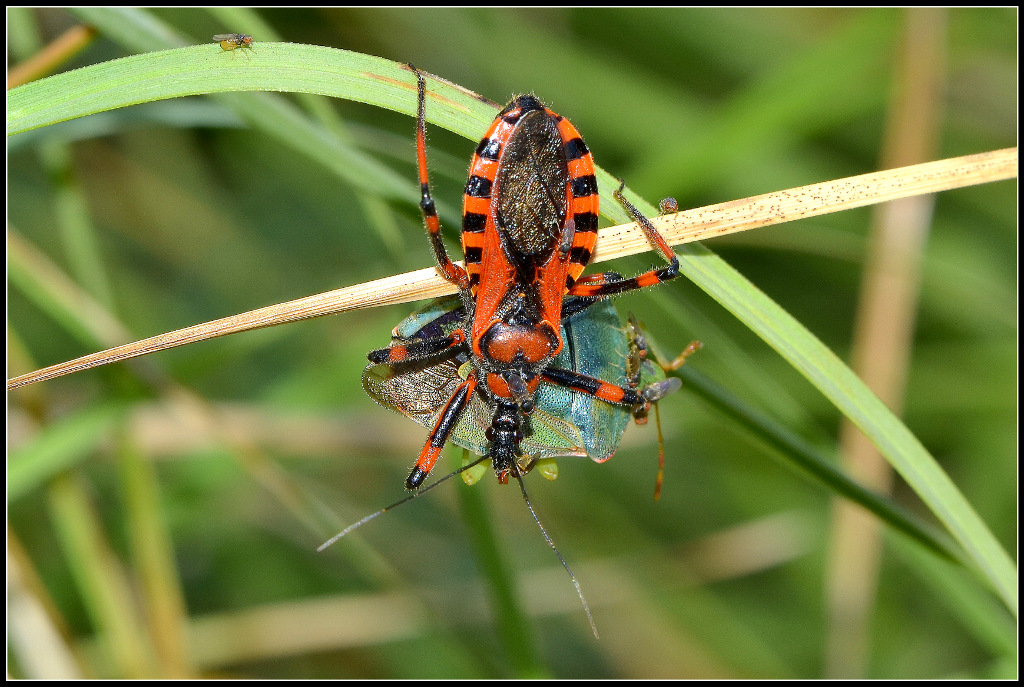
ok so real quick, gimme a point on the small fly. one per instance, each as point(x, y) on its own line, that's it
point(230, 41)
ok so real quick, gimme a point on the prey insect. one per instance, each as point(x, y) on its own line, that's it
point(565, 422)
point(639, 360)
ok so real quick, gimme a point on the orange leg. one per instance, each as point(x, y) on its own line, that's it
point(592, 386)
point(439, 435)
point(449, 270)
point(603, 286)
point(417, 349)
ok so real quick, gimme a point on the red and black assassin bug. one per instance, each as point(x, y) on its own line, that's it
point(529, 225)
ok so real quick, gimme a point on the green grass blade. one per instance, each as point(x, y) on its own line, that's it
point(205, 69)
point(100, 580)
point(153, 559)
point(510, 616)
point(60, 446)
point(807, 460)
point(982, 616)
point(848, 393)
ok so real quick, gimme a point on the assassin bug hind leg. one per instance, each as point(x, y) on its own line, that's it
point(599, 288)
point(652, 234)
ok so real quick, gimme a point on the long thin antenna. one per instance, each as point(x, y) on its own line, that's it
point(547, 538)
point(410, 497)
point(661, 455)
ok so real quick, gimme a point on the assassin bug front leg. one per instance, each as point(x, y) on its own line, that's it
point(433, 347)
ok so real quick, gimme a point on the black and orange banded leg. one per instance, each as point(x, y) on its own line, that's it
point(599, 286)
point(417, 349)
point(597, 388)
point(439, 435)
point(449, 270)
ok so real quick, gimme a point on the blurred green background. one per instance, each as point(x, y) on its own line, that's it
point(172, 528)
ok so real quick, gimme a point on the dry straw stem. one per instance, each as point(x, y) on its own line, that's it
point(613, 242)
point(50, 58)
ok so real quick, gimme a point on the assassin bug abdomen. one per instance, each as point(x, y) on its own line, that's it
point(529, 227)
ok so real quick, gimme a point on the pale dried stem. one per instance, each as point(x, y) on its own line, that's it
point(613, 242)
point(882, 344)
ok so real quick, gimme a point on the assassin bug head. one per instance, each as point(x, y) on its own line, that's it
point(505, 434)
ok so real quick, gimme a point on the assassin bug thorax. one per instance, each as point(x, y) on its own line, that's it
point(529, 226)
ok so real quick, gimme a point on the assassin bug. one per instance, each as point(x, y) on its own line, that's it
point(231, 41)
point(529, 226)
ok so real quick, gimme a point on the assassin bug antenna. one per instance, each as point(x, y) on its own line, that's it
point(410, 497)
point(547, 538)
